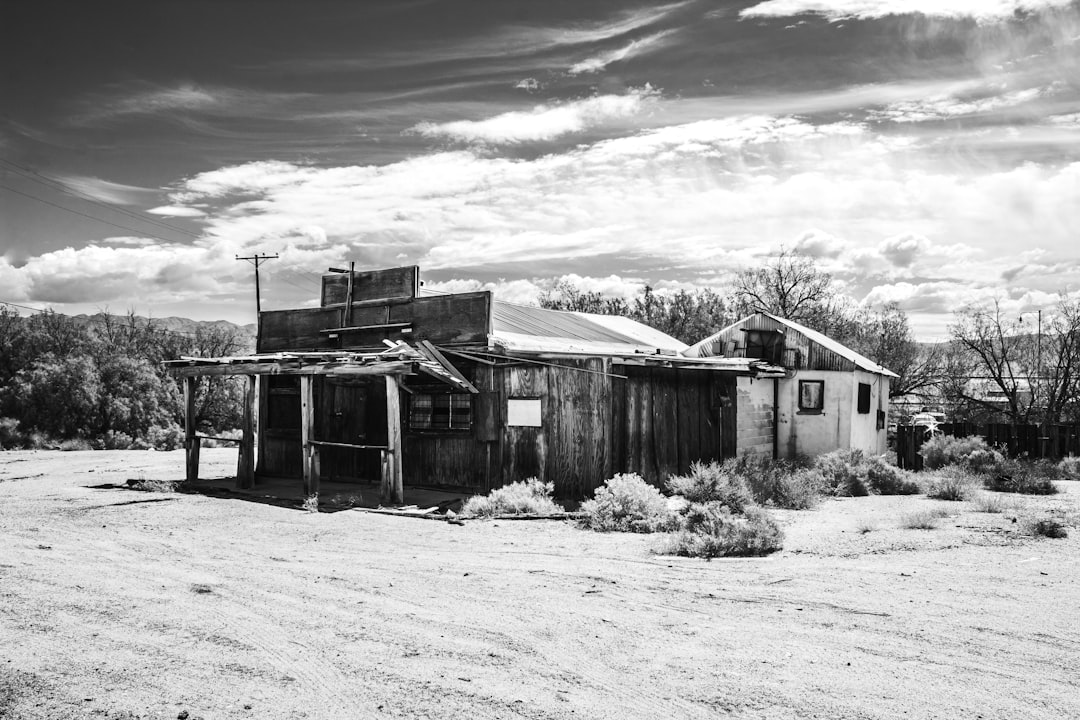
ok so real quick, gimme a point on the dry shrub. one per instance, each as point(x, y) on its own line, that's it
point(1069, 468)
point(1024, 477)
point(1046, 527)
point(971, 452)
point(714, 482)
point(154, 485)
point(713, 530)
point(528, 497)
point(987, 503)
point(72, 444)
point(778, 483)
point(923, 520)
point(886, 479)
point(626, 503)
point(950, 484)
point(844, 472)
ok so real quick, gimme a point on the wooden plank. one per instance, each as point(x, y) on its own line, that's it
point(441, 359)
point(327, 443)
point(307, 429)
point(359, 328)
point(393, 490)
point(296, 329)
point(192, 444)
point(245, 465)
point(371, 284)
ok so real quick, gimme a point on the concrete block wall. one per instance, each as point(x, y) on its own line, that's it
point(756, 424)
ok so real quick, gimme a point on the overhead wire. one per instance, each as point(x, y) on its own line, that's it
point(46, 181)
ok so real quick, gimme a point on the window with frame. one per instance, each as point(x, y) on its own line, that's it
point(864, 398)
point(440, 411)
point(811, 395)
point(283, 402)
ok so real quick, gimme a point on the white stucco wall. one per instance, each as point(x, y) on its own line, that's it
point(864, 432)
point(808, 433)
point(839, 424)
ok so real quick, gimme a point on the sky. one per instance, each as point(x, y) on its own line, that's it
point(924, 152)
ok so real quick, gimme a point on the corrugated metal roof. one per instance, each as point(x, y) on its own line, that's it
point(824, 341)
point(514, 325)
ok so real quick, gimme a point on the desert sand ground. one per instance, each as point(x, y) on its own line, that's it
point(116, 603)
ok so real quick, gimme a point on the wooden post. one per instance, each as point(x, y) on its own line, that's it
point(310, 461)
point(245, 466)
point(192, 443)
point(392, 481)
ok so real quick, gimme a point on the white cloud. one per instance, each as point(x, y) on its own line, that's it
point(943, 107)
point(175, 211)
point(635, 48)
point(984, 10)
point(543, 122)
point(104, 190)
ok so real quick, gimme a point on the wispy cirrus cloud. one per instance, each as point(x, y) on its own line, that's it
point(633, 49)
point(943, 107)
point(985, 10)
point(543, 122)
point(104, 190)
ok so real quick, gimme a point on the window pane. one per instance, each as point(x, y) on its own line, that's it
point(810, 394)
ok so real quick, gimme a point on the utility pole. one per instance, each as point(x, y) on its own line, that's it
point(255, 260)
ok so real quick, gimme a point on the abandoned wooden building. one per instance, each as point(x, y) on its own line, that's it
point(385, 382)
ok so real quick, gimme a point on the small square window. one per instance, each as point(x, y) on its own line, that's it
point(864, 398)
point(811, 395)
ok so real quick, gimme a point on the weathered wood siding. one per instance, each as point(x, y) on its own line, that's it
point(665, 419)
point(800, 351)
point(371, 285)
point(597, 419)
point(462, 319)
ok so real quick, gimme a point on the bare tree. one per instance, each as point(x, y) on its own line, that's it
point(1001, 367)
point(885, 337)
point(790, 286)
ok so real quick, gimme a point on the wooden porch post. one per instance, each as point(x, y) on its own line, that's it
point(192, 444)
point(393, 491)
point(307, 429)
point(245, 467)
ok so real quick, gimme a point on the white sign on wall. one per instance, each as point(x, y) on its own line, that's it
point(523, 413)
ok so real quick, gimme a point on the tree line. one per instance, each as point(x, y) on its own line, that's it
point(993, 367)
point(102, 383)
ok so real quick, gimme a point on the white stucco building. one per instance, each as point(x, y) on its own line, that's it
point(830, 397)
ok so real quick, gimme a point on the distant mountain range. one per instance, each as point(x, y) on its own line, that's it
point(180, 325)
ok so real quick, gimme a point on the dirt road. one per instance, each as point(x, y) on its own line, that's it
point(123, 604)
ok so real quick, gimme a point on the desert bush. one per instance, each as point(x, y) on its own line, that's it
point(712, 530)
point(1068, 468)
point(1021, 476)
point(626, 503)
point(68, 445)
point(779, 483)
point(714, 482)
point(923, 519)
point(10, 435)
point(987, 503)
point(885, 479)
point(166, 437)
point(844, 472)
point(1046, 527)
point(950, 484)
point(113, 440)
point(528, 497)
point(972, 451)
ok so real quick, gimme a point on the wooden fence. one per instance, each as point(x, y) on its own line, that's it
point(1053, 441)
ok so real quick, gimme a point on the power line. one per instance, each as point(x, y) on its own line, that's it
point(85, 215)
point(46, 181)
